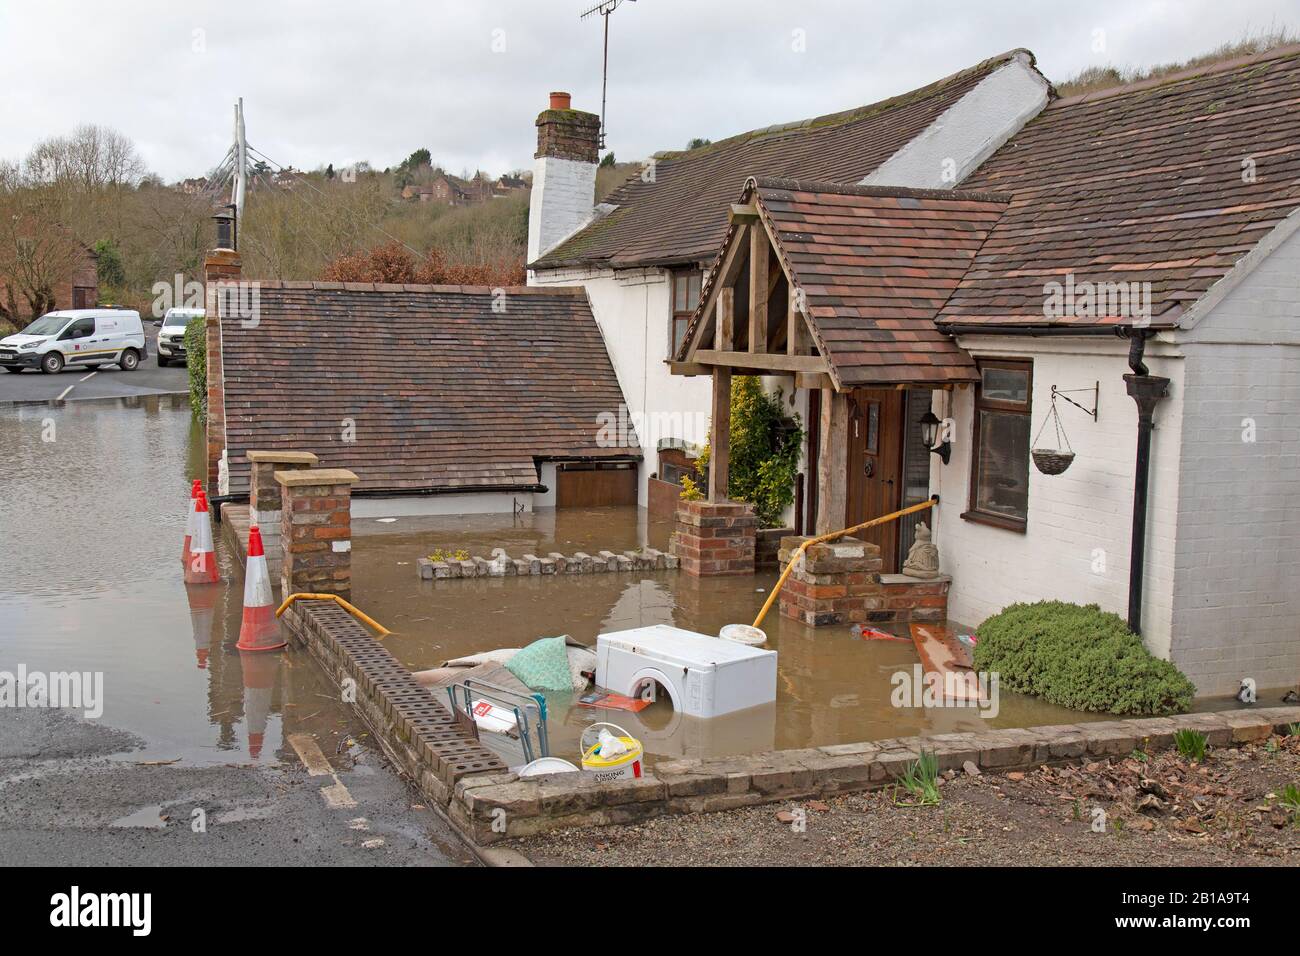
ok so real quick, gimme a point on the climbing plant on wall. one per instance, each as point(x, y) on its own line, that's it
point(765, 446)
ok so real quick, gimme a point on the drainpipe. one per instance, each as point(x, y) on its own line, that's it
point(1146, 390)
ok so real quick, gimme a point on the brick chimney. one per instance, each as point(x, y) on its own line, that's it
point(220, 266)
point(564, 174)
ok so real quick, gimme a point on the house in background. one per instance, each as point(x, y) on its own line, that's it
point(961, 260)
point(442, 399)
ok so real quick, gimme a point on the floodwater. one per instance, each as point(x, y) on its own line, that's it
point(92, 514)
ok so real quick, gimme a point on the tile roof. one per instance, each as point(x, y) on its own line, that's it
point(443, 391)
point(876, 265)
point(682, 216)
point(1143, 183)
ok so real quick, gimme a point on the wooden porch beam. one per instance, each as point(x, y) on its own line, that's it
point(746, 213)
point(689, 368)
point(724, 327)
point(720, 436)
point(771, 362)
point(758, 272)
point(833, 462)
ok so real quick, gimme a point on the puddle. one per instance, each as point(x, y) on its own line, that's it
point(148, 817)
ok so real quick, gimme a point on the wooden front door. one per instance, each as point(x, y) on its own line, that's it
point(875, 485)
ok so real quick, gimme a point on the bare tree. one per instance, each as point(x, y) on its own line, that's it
point(37, 254)
point(90, 158)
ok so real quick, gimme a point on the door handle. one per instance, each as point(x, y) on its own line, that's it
point(869, 468)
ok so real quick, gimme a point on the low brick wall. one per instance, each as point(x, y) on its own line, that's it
point(501, 565)
point(916, 600)
point(417, 731)
point(492, 807)
point(767, 547)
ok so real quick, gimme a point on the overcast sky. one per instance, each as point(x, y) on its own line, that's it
point(338, 82)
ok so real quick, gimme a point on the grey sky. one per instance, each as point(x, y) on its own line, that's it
point(371, 79)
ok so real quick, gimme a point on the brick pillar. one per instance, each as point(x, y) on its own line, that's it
point(264, 490)
point(221, 265)
point(837, 582)
point(316, 530)
point(715, 537)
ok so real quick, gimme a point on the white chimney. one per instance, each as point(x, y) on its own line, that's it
point(564, 175)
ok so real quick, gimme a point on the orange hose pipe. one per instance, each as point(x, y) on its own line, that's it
point(831, 536)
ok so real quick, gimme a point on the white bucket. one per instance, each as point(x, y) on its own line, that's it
point(743, 634)
point(625, 766)
point(547, 765)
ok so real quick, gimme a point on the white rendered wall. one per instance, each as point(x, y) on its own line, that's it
point(1076, 546)
point(561, 203)
point(632, 309)
point(1237, 579)
point(967, 132)
point(405, 506)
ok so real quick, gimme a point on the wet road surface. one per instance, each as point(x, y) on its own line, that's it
point(92, 499)
point(74, 384)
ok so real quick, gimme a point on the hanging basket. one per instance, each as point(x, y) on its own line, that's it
point(1051, 462)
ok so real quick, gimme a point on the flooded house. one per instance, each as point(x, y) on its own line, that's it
point(441, 399)
point(1073, 320)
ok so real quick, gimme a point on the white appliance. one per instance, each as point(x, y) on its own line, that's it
point(705, 676)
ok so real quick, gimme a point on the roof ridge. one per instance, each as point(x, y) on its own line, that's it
point(566, 291)
point(897, 192)
point(1205, 69)
point(856, 111)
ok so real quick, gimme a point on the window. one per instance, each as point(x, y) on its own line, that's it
point(999, 481)
point(686, 298)
point(80, 329)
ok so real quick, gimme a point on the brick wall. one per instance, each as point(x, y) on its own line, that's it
point(714, 538)
point(316, 530)
point(221, 265)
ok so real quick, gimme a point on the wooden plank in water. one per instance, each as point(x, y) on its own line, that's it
point(945, 657)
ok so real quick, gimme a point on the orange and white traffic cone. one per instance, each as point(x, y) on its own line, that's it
point(260, 631)
point(195, 489)
point(202, 567)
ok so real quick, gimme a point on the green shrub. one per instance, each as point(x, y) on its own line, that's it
point(765, 445)
point(1079, 657)
point(196, 362)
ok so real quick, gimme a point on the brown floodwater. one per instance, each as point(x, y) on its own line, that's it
point(90, 530)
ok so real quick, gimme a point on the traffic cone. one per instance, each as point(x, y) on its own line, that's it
point(259, 672)
point(202, 567)
point(195, 489)
point(260, 631)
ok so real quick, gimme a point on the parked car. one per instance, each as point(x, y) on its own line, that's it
point(171, 336)
point(87, 338)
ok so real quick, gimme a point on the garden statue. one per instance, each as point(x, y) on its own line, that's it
point(923, 557)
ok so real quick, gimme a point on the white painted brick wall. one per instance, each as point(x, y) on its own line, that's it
point(1237, 578)
point(1088, 507)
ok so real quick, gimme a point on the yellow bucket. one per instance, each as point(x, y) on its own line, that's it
point(624, 766)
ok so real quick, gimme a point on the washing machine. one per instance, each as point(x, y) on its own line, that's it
point(705, 676)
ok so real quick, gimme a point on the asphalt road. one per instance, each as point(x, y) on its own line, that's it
point(110, 381)
point(71, 795)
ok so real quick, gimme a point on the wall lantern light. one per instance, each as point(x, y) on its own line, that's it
point(929, 432)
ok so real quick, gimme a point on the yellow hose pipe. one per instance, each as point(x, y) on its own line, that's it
point(359, 615)
point(874, 522)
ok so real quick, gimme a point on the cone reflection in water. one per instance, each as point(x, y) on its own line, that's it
point(203, 604)
point(260, 631)
point(259, 685)
point(195, 489)
point(202, 566)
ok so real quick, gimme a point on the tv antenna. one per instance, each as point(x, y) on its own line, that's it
point(604, 8)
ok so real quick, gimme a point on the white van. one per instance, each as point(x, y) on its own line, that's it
point(86, 338)
point(171, 334)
